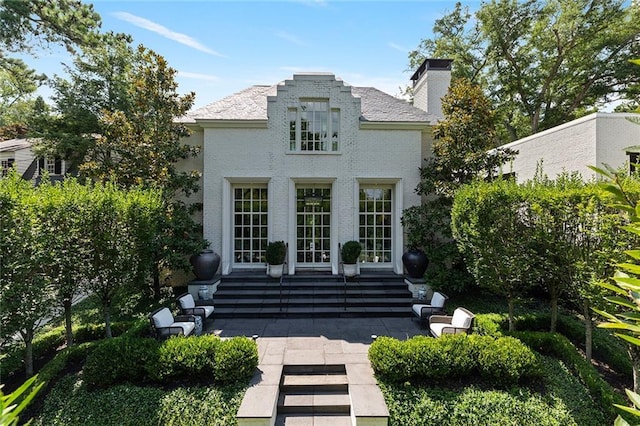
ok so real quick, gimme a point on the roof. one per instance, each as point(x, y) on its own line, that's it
point(251, 104)
point(15, 144)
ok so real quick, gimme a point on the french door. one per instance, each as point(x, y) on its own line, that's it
point(313, 227)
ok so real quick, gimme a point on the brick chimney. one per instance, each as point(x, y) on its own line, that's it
point(430, 83)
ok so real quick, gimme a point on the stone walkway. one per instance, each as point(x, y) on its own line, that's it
point(323, 341)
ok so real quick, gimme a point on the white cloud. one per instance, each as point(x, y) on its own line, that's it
point(398, 47)
point(291, 38)
point(165, 32)
point(198, 76)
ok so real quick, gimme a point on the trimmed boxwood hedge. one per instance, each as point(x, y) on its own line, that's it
point(139, 360)
point(504, 360)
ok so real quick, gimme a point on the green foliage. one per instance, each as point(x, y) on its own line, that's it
point(420, 405)
point(542, 63)
point(460, 155)
point(69, 402)
point(13, 404)
point(351, 252)
point(506, 360)
point(120, 360)
point(236, 360)
point(561, 348)
point(488, 223)
point(503, 360)
point(191, 358)
point(275, 252)
point(128, 359)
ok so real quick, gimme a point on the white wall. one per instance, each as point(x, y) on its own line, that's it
point(389, 157)
point(592, 140)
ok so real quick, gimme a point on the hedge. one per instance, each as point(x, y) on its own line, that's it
point(503, 360)
point(139, 360)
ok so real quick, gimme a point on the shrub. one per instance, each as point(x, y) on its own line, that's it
point(120, 360)
point(351, 252)
point(505, 360)
point(385, 354)
point(275, 252)
point(560, 347)
point(425, 359)
point(235, 360)
point(189, 357)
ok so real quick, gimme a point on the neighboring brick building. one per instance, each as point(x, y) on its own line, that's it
point(593, 140)
point(314, 162)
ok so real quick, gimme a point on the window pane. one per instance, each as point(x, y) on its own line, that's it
point(250, 220)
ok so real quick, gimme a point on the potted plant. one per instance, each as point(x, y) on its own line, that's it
point(274, 255)
point(414, 259)
point(350, 254)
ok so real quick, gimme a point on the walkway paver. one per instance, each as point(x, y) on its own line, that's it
point(324, 341)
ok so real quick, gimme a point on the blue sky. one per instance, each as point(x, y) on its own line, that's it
point(221, 47)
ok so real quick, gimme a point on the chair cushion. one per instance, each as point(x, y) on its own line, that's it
point(428, 309)
point(162, 318)
point(437, 301)
point(187, 302)
point(187, 326)
point(461, 319)
point(436, 328)
point(208, 310)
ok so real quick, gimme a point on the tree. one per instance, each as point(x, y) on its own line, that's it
point(29, 25)
point(460, 154)
point(541, 62)
point(489, 223)
point(142, 146)
point(26, 296)
point(62, 211)
point(98, 83)
point(118, 224)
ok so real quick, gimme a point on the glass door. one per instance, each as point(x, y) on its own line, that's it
point(313, 219)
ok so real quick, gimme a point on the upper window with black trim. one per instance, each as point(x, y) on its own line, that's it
point(5, 165)
point(55, 166)
point(314, 126)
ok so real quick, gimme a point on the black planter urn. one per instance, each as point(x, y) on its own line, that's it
point(205, 264)
point(415, 262)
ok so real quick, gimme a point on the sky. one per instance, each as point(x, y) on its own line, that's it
point(222, 47)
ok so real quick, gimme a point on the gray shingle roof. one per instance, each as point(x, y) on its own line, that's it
point(15, 144)
point(251, 104)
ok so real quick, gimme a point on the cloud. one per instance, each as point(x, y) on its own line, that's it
point(291, 38)
point(165, 32)
point(398, 47)
point(198, 76)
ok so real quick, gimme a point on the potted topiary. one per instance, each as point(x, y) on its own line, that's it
point(415, 260)
point(274, 255)
point(350, 254)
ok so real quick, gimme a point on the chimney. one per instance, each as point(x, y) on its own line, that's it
point(430, 83)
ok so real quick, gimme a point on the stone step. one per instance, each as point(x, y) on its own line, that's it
point(309, 383)
point(307, 420)
point(328, 301)
point(319, 402)
point(314, 312)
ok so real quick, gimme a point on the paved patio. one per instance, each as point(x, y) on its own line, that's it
point(323, 341)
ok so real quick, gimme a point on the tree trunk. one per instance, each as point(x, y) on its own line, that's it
point(554, 313)
point(28, 353)
point(588, 330)
point(67, 321)
point(512, 325)
point(156, 280)
point(107, 322)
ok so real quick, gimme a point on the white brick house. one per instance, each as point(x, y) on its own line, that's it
point(314, 162)
point(593, 140)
